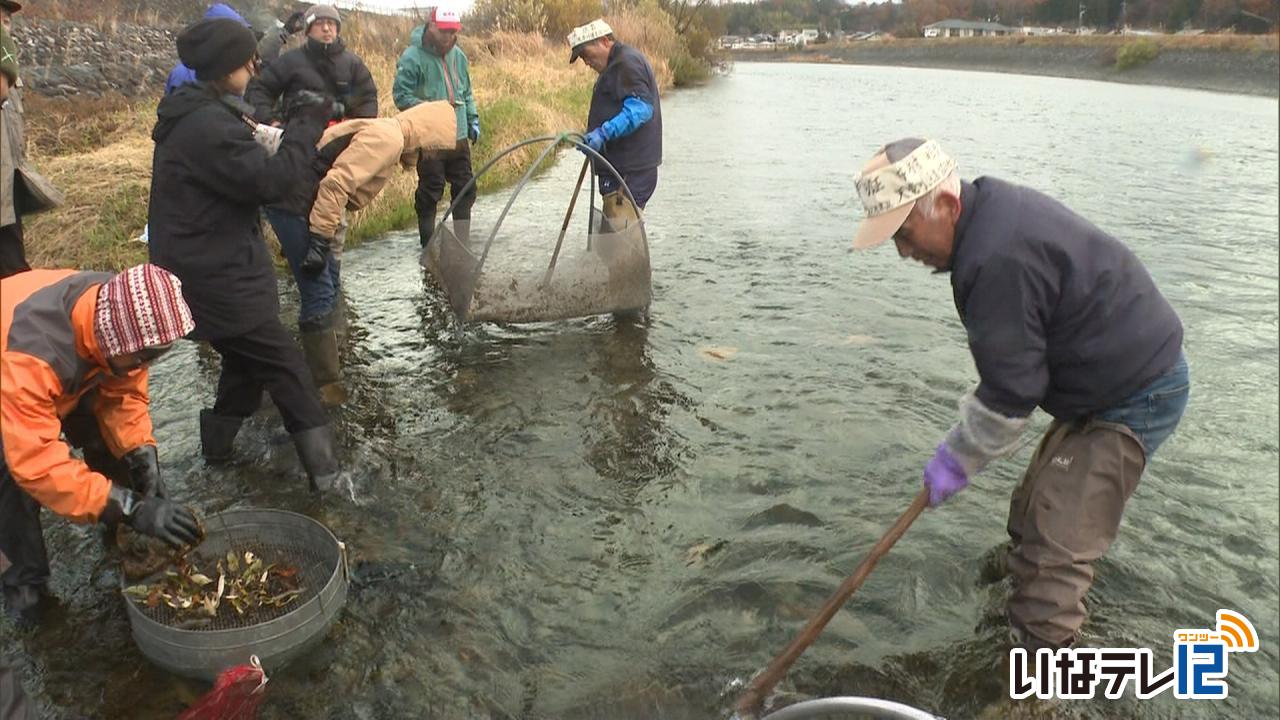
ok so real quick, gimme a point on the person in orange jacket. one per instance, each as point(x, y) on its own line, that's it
point(74, 351)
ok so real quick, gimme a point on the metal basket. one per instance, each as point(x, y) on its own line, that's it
point(275, 635)
point(848, 708)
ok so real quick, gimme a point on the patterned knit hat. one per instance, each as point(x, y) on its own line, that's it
point(141, 307)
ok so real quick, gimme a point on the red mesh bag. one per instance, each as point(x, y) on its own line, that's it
point(236, 694)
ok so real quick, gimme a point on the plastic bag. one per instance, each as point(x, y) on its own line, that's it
point(236, 694)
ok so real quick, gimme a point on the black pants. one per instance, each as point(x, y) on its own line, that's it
point(641, 183)
point(21, 535)
point(434, 169)
point(13, 257)
point(267, 358)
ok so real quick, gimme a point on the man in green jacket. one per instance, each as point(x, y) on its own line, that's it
point(433, 67)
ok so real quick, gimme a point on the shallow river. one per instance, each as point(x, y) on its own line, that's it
point(600, 519)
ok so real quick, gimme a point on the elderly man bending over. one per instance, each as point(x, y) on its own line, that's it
point(1059, 315)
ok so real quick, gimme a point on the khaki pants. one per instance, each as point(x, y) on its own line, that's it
point(1062, 517)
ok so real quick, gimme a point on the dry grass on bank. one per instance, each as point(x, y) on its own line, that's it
point(98, 151)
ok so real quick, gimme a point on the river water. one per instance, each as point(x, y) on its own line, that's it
point(602, 519)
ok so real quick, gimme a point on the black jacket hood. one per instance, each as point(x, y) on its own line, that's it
point(188, 99)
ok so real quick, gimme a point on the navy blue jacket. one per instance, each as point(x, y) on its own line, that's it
point(628, 73)
point(1059, 313)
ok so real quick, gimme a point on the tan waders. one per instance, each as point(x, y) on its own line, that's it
point(1062, 517)
point(619, 210)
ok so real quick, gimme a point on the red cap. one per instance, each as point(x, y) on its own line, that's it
point(446, 19)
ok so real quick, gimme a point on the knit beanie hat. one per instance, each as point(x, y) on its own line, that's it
point(216, 47)
point(141, 307)
point(8, 57)
point(316, 12)
point(223, 10)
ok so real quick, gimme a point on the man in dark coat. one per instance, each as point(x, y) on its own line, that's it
point(324, 66)
point(321, 66)
point(23, 191)
point(209, 178)
point(625, 119)
point(1059, 315)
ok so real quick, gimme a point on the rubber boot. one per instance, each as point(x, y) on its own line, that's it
point(340, 318)
point(619, 210)
point(426, 226)
point(217, 435)
point(462, 231)
point(25, 605)
point(319, 457)
point(320, 345)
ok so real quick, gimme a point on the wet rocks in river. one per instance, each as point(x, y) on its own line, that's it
point(782, 514)
point(700, 552)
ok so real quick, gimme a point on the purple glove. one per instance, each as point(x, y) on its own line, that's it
point(944, 476)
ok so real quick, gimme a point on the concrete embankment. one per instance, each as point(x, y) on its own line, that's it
point(1238, 65)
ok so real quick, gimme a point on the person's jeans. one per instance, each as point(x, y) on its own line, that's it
point(320, 291)
point(1153, 412)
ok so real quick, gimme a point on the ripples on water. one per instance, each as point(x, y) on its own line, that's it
point(596, 519)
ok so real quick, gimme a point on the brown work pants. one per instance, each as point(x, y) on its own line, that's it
point(1062, 517)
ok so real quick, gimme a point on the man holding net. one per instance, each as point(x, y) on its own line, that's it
point(624, 123)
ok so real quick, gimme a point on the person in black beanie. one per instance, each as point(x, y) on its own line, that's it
point(209, 178)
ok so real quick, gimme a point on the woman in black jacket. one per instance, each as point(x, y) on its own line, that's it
point(209, 178)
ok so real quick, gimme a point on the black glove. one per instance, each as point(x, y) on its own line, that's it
point(144, 471)
point(157, 517)
point(317, 253)
point(339, 111)
point(308, 104)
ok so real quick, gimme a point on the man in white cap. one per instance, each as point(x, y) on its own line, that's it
point(74, 351)
point(624, 123)
point(1059, 315)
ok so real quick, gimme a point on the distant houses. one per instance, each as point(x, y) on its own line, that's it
point(966, 28)
point(950, 28)
point(797, 38)
point(768, 41)
point(762, 41)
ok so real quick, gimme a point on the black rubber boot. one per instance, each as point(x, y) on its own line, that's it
point(426, 226)
point(462, 231)
point(25, 605)
point(318, 453)
point(217, 435)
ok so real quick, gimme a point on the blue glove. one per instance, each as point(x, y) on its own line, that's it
point(595, 139)
point(473, 132)
point(944, 476)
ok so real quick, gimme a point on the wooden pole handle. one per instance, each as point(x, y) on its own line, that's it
point(760, 687)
